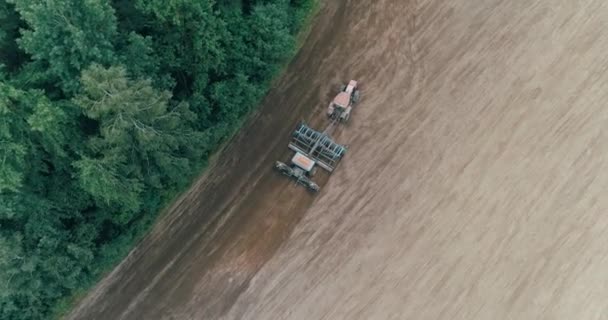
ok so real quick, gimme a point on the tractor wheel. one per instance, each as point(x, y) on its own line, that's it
point(356, 96)
point(283, 168)
point(346, 117)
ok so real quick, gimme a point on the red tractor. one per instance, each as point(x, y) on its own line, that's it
point(343, 103)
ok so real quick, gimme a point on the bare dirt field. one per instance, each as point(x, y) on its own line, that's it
point(475, 186)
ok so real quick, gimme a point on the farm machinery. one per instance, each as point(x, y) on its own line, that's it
point(313, 148)
point(342, 105)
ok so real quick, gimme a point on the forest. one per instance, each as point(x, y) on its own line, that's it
point(108, 110)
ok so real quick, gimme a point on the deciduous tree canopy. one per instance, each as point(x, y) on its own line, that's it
point(107, 109)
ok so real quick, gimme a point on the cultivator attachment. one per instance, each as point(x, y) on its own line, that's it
point(317, 146)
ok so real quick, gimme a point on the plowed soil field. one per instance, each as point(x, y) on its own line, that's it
point(475, 185)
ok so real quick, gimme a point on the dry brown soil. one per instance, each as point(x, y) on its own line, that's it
point(475, 187)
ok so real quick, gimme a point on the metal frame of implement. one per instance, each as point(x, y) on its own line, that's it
point(318, 146)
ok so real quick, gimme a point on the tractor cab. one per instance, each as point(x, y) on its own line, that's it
point(341, 101)
point(342, 104)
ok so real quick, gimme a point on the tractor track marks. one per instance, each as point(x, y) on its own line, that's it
point(474, 186)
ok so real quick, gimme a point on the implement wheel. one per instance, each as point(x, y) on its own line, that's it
point(345, 118)
point(313, 187)
point(283, 168)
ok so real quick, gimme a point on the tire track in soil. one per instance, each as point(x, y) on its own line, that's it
point(473, 187)
point(221, 232)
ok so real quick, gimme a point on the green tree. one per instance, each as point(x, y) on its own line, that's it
point(41, 259)
point(107, 107)
point(12, 150)
point(4, 13)
point(272, 40)
point(10, 54)
point(137, 52)
point(189, 40)
point(35, 134)
point(64, 37)
point(144, 141)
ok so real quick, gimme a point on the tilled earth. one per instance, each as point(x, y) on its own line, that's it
point(474, 186)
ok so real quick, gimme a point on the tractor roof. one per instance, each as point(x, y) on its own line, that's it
point(342, 99)
point(303, 161)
